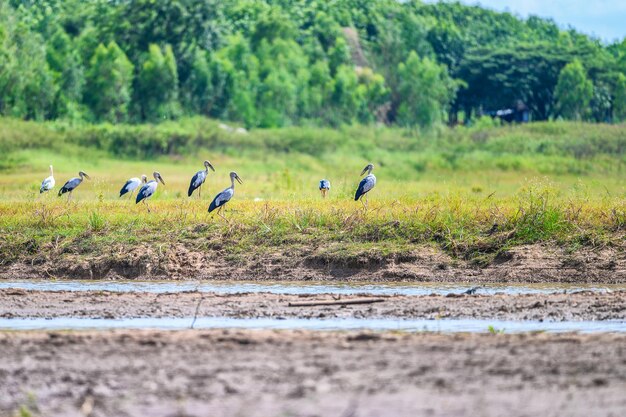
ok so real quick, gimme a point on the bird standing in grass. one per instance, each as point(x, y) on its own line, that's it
point(48, 183)
point(148, 189)
point(225, 196)
point(198, 179)
point(324, 187)
point(365, 185)
point(132, 184)
point(71, 185)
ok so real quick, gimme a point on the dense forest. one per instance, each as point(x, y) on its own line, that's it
point(298, 62)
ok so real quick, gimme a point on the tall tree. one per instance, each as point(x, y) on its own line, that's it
point(157, 85)
point(197, 90)
point(109, 83)
point(619, 98)
point(573, 91)
point(27, 86)
point(425, 91)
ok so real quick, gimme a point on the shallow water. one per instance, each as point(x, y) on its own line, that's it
point(231, 287)
point(442, 325)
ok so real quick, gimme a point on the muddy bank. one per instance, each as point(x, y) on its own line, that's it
point(294, 373)
point(583, 305)
point(530, 264)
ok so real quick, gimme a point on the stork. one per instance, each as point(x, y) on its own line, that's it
point(48, 183)
point(132, 184)
point(71, 185)
point(324, 187)
point(198, 179)
point(224, 197)
point(148, 189)
point(365, 185)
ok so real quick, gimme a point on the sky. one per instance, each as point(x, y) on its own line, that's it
point(606, 19)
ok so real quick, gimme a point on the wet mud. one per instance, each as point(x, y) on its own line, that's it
point(562, 306)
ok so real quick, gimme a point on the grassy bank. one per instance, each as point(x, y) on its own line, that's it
point(471, 192)
point(469, 227)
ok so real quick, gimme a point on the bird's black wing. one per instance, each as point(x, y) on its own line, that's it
point(124, 189)
point(142, 193)
point(192, 184)
point(361, 190)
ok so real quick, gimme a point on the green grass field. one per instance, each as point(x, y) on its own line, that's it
point(552, 182)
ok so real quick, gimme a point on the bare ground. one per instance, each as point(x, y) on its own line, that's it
point(296, 373)
point(529, 263)
point(583, 305)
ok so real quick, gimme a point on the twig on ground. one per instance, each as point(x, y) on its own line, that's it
point(336, 302)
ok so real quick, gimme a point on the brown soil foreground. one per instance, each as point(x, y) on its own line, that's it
point(531, 263)
point(295, 373)
point(583, 305)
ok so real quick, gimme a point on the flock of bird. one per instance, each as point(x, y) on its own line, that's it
point(148, 188)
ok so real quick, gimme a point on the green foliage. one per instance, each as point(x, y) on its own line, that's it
point(493, 330)
point(157, 85)
point(425, 91)
point(619, 103)
point(273, 63)
point(556, 148)
point(109, 83)
point(573, 91)
point(27, 87)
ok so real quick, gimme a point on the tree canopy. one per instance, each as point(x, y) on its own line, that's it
point(287, 62)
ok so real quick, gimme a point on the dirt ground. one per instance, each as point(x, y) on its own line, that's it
point(296, 373)
point(583, 305)
point(265, 373)
point(539, 263)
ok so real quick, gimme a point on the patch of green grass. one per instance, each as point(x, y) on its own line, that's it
point(466, 226)
point(493, 330)
point(472, 192)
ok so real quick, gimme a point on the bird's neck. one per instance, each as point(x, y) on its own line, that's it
point(51, 171)
point(232, 182)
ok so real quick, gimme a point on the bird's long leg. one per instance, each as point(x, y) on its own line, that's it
point(200, 192)
point(366, 200)
point(219, 213)
point(146, 204)
point(69, 196)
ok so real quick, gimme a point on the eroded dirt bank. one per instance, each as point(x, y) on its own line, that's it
point(583, 305)
point(295, 373)
point(530, 263)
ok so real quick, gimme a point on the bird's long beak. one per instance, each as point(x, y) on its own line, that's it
point(161, 179)
point(364, 171)
point(87, 176)
point(211, 166)
point(239, 179)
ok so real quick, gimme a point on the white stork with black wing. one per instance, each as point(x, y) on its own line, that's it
point(71, 184)
point(198, 179)
point(132, 184)
point(48, 183)
point(366, 184)
point(225, 196)
point(324, 187)
point(148, 189)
